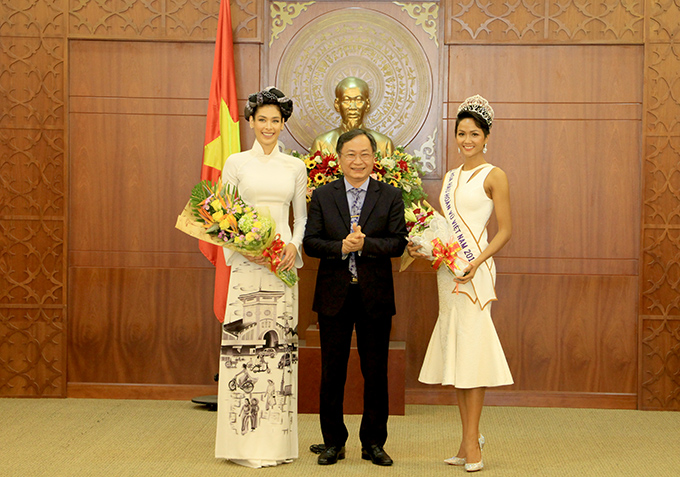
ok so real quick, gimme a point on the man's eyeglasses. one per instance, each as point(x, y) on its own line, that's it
point(351, 157)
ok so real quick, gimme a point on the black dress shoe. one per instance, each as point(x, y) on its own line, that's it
point(376, 454)
point(317, 448)
point(331, 455)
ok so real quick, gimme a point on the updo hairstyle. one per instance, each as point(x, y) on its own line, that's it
point(269, 95)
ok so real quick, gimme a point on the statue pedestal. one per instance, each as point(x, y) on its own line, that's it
point(309, 376)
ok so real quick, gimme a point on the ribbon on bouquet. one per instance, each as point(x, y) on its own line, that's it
point(447, 255)
point(273, 253)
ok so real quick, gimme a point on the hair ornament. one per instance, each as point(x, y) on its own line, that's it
point(269, 95)
point(479, 105)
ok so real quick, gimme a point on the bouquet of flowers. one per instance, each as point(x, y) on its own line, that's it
point(402, 171)
point(430, 230)
point(322, 168)
point(215, 213)
point(418, 218)
point(399, 169)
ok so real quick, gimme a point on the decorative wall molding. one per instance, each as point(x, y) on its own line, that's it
point(144, 19)
point(527, 21)
point(371, 46)
point(659, 314)
point(33, 342)
point(247, 20)
point(32, 182)
point(427, 153)
point(378, 42)
point(283, 14)
point(32, 198)
point(32, 18)
point(426, 16)
point(663, 21)
point(163, 19)
point(31, 82)
point(660, 351)
point(663, 103)
point(31, 271)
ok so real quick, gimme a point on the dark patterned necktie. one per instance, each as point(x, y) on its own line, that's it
point(355, 212)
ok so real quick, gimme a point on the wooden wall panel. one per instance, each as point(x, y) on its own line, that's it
point(134, 19)
point(659, 313)
point(33, 200)
point(559, 333)
point(138, 180)
point(32, 351)
point(574, 76)
point(577, 333)
point(33, 172)
point(153, 93)
point(155, 70)
point(163, 19)
point(611, 21)
point(548, 68)
point(33, 19)
point(574, 176)
point(417, 308)
point(575, 195)
point(142, 325)
point(568, 278)
point(156, 152)
point(141, 294)
point(32, 263)
point(248, 18)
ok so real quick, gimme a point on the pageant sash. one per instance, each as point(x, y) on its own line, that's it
point(482, 283)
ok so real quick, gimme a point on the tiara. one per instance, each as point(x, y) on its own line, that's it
point(478, 105)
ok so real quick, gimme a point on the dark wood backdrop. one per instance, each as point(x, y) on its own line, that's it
point(101, 130)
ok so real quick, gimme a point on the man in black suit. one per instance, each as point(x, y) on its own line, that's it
point(355, 225)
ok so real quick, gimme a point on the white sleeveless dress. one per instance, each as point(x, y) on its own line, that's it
point(464, 350)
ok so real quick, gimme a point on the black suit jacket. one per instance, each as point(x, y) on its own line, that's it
point(328, 223)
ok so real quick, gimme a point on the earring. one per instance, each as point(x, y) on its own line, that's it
point(458, 150)
point(484, 150)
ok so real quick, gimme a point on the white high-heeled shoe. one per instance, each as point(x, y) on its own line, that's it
point(474, 467)
point(455, 460)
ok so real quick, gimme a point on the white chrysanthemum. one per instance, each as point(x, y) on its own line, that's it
point(388, 163)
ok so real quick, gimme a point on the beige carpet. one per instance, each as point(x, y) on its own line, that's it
point(83, 437)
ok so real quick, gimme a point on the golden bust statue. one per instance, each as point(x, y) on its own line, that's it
point(352, 102)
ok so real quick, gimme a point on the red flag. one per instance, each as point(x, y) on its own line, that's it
point(221, 138)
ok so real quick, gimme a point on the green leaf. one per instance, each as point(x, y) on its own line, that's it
point(199, 193)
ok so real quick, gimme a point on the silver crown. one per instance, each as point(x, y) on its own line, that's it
point(478, 105)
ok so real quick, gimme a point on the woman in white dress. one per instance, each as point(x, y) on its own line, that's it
point(464, 350)
point(259, 338)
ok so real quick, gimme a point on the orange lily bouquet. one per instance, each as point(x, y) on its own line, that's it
point(215, 213)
